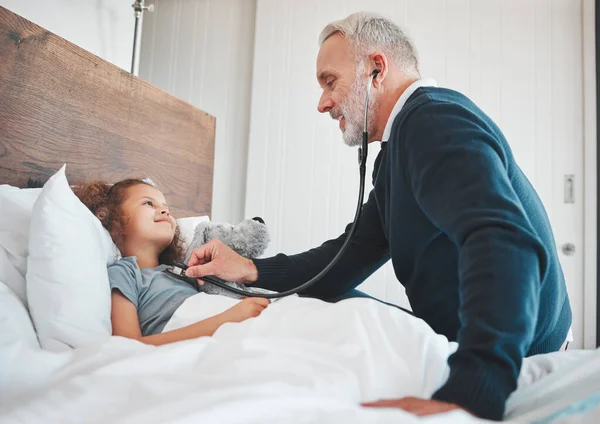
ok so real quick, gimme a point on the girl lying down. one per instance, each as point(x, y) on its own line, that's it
point(144, 296)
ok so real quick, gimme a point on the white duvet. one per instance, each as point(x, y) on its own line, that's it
point(300, 361)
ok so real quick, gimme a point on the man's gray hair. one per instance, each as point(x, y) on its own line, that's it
point(368, 32)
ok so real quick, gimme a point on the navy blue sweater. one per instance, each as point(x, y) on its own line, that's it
point(469, 239)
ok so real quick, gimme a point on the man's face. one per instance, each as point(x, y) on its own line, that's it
point(344, 87)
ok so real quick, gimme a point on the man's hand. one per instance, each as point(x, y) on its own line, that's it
point(415, 406)
point(214, 258)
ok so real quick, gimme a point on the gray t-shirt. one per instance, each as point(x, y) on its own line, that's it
point(154, 292)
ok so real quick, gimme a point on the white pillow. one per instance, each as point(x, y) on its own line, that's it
point(67, 279)
point(15, 217)
point(11, 274)
point(22, 363)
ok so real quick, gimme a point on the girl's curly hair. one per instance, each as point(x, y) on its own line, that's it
point(105, 200)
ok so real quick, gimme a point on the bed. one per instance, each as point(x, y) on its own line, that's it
point(295, 363)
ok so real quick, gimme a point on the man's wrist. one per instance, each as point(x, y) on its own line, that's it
point(252, 274)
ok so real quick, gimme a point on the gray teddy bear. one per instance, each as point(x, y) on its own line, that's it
point(250, 238)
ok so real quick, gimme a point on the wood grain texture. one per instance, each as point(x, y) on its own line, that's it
point(61, 104)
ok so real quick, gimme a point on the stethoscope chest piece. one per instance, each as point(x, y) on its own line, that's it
point(178, 270)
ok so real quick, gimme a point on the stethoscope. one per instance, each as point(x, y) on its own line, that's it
point(178, 269)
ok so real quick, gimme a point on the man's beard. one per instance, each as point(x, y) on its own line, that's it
point(353, 111)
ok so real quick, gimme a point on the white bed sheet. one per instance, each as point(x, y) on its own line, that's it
point(570, 393)
point(301, 361)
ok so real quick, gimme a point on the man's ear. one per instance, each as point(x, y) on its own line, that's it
point(378, 61)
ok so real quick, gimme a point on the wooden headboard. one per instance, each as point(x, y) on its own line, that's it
point(61, 104)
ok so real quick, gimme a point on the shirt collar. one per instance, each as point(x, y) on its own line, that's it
point(423, 82)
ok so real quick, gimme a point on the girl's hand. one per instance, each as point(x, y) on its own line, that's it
point(249, 307)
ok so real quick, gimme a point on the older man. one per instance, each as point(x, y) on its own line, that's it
point(466, 232)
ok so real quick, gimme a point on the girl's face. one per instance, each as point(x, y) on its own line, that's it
point(147, 218)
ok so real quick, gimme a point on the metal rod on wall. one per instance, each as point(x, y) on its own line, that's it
point(138, 9)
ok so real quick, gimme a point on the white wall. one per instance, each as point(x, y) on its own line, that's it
point(201, 51)
point(102, 27)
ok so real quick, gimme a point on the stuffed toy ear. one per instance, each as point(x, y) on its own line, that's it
point(250, 238)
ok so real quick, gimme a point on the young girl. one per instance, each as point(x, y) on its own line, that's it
point(144, 296)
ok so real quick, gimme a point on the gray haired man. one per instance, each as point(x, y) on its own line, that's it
point(465, 230)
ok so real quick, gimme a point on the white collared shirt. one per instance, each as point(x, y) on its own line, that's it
point(423, 82)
